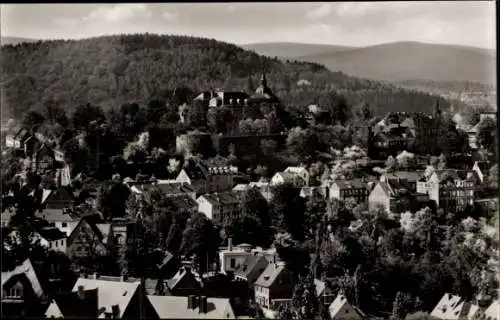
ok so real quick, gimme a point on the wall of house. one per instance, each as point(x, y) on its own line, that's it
point(262, 296)
point(277, 179)
point(205, 207)
point(66, 226)
point(378, 197)
point(57, 245)
point(334, 192)
point(225, 260)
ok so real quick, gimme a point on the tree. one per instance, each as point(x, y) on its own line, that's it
point(85, 115)
point(486, 135)
point(287, 211)
point(201, 239)
point(33, 120)
point(305, 303)
point(406, 160)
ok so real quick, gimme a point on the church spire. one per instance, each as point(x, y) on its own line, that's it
point(263, 80)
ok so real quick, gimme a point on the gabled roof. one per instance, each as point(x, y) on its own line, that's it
point(249, 265)
point(183, 272)
point(270, 274)
point(412, 176)
point(26, 268)
point(172, 307)
point(320, 287)
point(339, 307)
point(104, 229)
point(71, 305)
point(452, 307)
point(222, 198)
point(109, 293)
point(493, 310)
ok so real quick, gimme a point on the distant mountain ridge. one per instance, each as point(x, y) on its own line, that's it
point(402, 61)
point(14, 40)
point(292, 49)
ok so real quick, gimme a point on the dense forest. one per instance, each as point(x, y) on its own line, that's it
point(112, 70)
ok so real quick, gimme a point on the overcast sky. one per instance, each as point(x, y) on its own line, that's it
point(350, 23)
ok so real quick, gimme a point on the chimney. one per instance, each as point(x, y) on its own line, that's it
point(115, 309)
point(191, 302)
point(230, 244)
point(203, 304)
point(123, 278)
point(81, 293)
point(96, 275)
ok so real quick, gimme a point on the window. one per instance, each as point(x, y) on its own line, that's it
point(64, 224)
point(232, 263)
point(15, 292)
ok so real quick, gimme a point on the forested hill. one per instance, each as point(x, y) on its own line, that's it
point(112, 70)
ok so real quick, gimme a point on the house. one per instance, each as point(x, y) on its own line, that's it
point(169, 189)
point(301, 172)
point(228, 99)
point(80, 304)
point(293, 178)
point(314, 192)
point(263, 187)
point(22, 294)
point(59, 199)
point(184, 203)
point(341, 309)
point(219, 206)
point(452, 307)
point(191, 307)
point(185, 282)
point(207, 178)
point(396, 196)
point(62, 219)
point(323, 292)
point(480, 168)
point(85, 240)
point(251, 268)
point(169, 264)
point(449, 189)
point(355, 189)
point(122, 300)
point(274, 284)
point(53, 238)
point(493, 311)
point(231, 259)
point(6, 217)
point(43, 159)
point(22, 140)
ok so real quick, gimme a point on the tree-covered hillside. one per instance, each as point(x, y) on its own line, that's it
point(112, 70)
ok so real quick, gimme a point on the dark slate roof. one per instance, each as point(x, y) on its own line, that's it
point(51, 233)
point(248, 265)
point(71, 305)
point(222, 198)
point(269, 275)
point(183, 201)
point(183, 272)
point(351, 184)
point(175, 188)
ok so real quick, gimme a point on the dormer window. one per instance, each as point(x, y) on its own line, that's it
point(15, 292)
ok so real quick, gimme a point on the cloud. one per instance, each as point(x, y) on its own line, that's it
point(119, 12)
point(170, 16)
point(320, 12)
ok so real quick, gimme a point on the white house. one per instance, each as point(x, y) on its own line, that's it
point(218, 206)
point(301, 172)
point(232, 258)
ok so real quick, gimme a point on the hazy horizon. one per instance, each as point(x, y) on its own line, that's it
point(353, 24)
